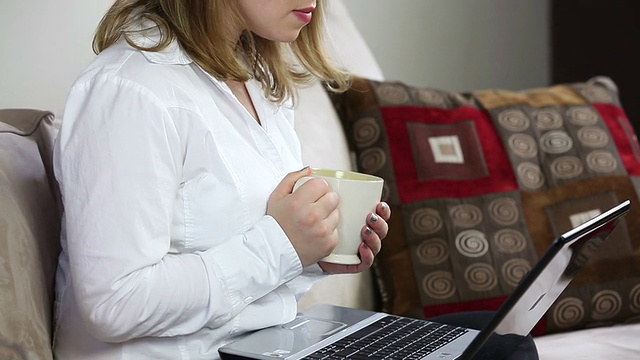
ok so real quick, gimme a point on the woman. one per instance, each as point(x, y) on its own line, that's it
point(176, 160)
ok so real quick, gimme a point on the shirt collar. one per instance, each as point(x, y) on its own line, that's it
point(147, 34)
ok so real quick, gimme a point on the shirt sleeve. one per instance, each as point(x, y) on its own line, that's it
point(302, 283)
point(119, 167)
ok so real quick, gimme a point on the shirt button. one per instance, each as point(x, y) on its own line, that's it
point(248, 299)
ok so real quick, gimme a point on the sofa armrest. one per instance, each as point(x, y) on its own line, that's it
point(29, 229)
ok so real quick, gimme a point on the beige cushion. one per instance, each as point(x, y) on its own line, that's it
point(324, 145)
point(317, 124)
point(29, 230)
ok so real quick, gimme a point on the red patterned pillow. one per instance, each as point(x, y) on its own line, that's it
point(482, 182)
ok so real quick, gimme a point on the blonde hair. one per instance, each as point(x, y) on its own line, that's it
point(201, 28)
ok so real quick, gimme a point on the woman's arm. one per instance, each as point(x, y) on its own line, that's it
point(120, 159)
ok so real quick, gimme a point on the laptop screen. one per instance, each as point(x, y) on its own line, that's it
point(542, 286)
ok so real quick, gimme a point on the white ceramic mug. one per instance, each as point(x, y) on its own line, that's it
point(359, 194)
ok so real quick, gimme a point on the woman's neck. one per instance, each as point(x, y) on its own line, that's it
point(239, 90)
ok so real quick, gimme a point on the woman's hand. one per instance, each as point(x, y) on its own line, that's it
point(373, 232)
point(309, 216)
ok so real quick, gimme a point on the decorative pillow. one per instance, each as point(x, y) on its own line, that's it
point(29, 229)
point(481, 183)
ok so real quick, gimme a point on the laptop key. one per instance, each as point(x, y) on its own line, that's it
point(391, 338)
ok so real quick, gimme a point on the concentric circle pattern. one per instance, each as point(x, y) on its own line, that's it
point(530, 175)
point(432, 251)
point(556, 142)
point(439, 285)
point(513, 270)
point(472, 243)
point(568, 312)
point(425, 221)
point(582, 115)
point(504, 211)
point(548, 119)
point(366, 132)
point(605, 305)
point(509, 241)
point(592, 136)
point(634, 299)
point(392, 93)
point(602, 161)
point(431, 97)
point(566, 167)
point(523, 145)
point(465, 215)
point(372, 160)
point(514, 120)
point(480, 277)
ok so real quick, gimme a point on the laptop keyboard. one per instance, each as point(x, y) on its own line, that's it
point(391, 338)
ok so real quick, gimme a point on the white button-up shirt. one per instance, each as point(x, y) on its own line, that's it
point(166, 249)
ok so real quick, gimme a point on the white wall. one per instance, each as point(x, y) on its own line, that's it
point(451, 44)
point(44, 44)
point(458, 44)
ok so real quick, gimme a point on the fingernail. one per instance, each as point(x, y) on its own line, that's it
point(373, 218)
point(304, 168)
point(383, 206)
point(368, 230)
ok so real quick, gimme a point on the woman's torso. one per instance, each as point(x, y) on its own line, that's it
point(230, 165)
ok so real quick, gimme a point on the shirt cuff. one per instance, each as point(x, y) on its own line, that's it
point(303, 282)
point(249, 266)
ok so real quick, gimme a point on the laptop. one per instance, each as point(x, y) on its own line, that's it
point(334, 332)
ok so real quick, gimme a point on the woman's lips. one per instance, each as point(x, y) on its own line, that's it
point(304, 15)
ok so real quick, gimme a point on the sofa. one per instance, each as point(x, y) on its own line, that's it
point(331, 135)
